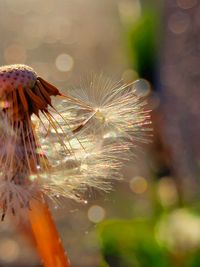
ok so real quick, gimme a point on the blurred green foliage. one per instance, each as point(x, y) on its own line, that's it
point(131, 243)
point(136, 243)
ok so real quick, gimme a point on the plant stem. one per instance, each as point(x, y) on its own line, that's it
point(47, 238)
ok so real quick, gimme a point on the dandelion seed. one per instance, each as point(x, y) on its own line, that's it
point(115, 110)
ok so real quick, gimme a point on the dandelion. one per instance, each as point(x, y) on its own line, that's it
point(45, 152)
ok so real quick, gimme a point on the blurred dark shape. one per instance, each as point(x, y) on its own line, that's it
point(170, 31)
point(180, 83)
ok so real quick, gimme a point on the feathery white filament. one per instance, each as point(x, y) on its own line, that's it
point(65, 152)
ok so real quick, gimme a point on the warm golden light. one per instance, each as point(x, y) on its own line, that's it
point(138, 184)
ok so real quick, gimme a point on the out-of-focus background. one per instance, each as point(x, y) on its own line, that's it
point(152, 218)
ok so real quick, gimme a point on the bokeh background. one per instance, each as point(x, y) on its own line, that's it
point(152, 218)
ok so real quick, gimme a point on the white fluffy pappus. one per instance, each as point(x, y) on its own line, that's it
point(63, 151)
point(115, 109)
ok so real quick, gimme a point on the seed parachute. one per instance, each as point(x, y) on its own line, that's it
point(63, 149)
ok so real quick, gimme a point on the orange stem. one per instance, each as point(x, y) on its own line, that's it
point(47, 239)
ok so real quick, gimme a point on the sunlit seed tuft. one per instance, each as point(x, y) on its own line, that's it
point(62, 150)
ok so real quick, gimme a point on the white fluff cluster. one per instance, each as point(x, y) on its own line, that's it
point(63, 150)
point(91, 137)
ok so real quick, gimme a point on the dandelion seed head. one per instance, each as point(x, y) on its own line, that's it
point(63, 153)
